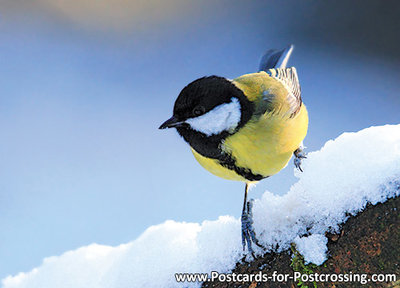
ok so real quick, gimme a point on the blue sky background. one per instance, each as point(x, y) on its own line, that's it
point(83, 89)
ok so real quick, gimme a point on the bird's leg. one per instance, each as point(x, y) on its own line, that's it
point(299, 154)
point(248, 234)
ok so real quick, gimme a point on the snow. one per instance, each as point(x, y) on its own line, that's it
point(313, 248)
point(149, 261)
point(224, 117)
point(340, 179)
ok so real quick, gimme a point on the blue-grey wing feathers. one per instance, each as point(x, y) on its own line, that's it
point(275, 58)
point(274, 62)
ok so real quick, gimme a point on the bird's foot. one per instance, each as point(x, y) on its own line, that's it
point(299, 154)
point(248, 234)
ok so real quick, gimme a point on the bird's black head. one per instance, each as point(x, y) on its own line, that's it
point(207, 111)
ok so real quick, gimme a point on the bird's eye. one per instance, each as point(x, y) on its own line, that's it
point(199, 110)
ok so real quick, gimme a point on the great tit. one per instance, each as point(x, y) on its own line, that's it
point(247, 128)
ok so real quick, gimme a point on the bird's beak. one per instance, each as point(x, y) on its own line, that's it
point(171, 122)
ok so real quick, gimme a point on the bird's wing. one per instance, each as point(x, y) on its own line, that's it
point(275, 58)
point(274, 63)
point(288, 78)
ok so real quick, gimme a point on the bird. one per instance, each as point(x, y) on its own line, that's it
point(245, 129)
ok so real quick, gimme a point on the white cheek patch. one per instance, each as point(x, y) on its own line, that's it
point(224, 117)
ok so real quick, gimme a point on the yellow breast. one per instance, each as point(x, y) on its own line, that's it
point(265, 147)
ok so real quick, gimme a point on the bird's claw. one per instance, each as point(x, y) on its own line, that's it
point(297, 163)
point(299, 154)
point(248, 234)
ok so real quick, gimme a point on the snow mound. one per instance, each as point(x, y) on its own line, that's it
point(313, 248)
point(341, 179)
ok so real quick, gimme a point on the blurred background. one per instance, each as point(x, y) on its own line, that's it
point(85, 84)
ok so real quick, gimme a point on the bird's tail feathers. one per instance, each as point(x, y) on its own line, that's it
point(275, 58)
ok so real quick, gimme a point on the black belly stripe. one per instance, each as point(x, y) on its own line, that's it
point(228, 162)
